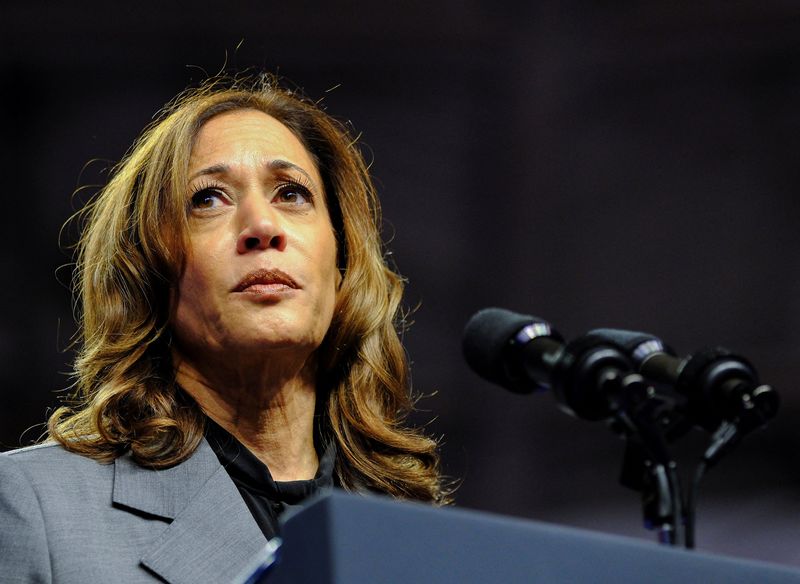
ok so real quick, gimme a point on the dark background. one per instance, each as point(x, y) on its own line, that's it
point(595, 163)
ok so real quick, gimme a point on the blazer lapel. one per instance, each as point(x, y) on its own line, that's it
point(212, 535)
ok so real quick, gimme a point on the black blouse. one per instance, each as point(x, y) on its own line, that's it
point(265, 497)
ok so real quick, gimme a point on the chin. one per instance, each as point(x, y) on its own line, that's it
point(282, 341)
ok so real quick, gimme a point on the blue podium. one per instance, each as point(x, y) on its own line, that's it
point(341, 538)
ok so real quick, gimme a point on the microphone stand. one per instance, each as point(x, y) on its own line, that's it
point(592, 378)
point(642, 416)
point(637, 412)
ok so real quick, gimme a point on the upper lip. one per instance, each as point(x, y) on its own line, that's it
point(265, 276)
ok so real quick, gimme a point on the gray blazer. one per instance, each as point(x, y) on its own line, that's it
point(65, 519)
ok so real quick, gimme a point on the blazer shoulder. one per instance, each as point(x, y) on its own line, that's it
point(50, 462)
point(23, 538)
point(42, 449)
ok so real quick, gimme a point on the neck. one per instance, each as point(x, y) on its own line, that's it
point(270, 412)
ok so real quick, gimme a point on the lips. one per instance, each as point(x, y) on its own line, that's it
point(265, 277)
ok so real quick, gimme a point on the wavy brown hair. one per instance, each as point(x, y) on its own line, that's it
point(132, 252)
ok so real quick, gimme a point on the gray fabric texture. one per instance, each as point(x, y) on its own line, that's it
point(69, 519)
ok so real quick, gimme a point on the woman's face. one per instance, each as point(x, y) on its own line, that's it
point(261, 270)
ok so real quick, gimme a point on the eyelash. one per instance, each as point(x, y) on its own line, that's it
point(206, 185)
point(300, 184)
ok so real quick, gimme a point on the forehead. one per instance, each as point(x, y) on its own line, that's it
point(248, 137)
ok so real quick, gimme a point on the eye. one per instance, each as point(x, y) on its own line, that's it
point(294, 194)
point(208, 198)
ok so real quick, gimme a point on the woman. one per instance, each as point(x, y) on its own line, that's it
point(238, 351)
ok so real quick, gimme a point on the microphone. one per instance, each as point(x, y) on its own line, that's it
point(723, 392)
point(515, 351)
point(720, 385)
point(524, 354)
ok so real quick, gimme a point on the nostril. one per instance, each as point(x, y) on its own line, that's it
point(251, 242)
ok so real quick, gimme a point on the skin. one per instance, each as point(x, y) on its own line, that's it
point(244, 344)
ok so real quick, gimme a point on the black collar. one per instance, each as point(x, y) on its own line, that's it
point(249, 473)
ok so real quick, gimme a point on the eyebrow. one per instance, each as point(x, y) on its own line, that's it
point(274, 165)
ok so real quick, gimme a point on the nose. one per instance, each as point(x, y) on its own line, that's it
point(261, 226)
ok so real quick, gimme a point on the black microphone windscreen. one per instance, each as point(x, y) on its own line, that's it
point(628, 340)
point(486, 337)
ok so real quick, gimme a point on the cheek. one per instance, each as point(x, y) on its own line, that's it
point(329, 279)
point(333, 276)
point(193, 296)
point(183, 314)
point(206, 265)
point(190, 286)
